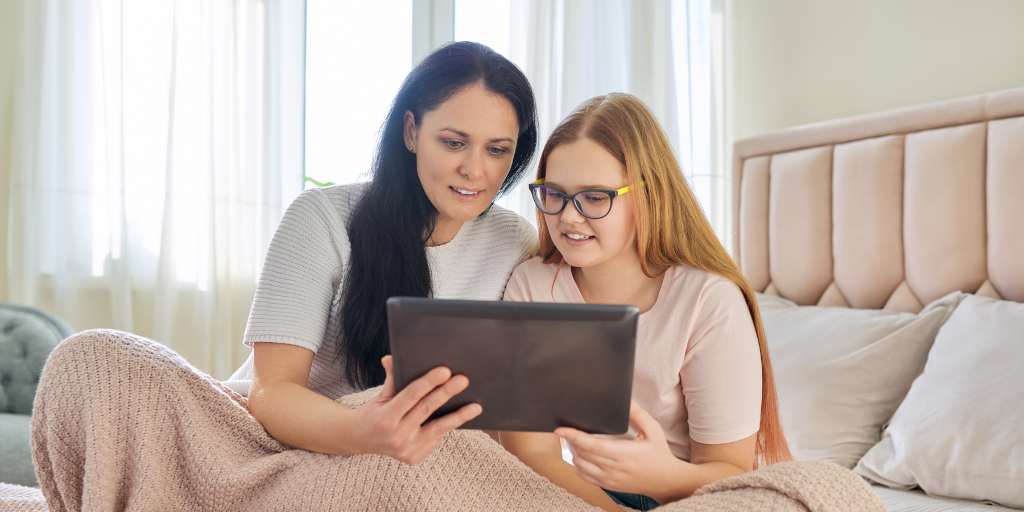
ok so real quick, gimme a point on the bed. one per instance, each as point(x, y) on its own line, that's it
point(889, 213)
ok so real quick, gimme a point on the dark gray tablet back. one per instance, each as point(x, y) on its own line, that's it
point(532, 366)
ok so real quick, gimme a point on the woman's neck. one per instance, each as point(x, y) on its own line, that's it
point(619, 281)
point(444, 231)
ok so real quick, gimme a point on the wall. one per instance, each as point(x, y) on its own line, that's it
point(799, 61)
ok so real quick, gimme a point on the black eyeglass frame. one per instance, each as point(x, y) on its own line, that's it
point(566, 198)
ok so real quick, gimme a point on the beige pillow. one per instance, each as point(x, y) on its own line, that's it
point(960, 430)
point(840, 373)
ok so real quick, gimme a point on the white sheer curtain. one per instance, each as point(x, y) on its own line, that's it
point(666, 52)
point(154, 147)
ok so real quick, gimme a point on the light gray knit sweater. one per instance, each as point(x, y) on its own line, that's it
point(298, 298)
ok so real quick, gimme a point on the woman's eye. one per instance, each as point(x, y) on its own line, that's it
point(595, 198)
point(498, 151)
point(454, 144)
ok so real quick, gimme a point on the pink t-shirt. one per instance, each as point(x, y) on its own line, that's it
point(698, 366)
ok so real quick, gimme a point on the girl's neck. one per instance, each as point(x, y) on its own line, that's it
point(620, 280)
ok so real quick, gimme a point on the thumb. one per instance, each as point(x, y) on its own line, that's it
point(387, 391)
point(645, 425)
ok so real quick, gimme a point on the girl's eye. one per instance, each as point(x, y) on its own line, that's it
point(595, 198)
point(454, 144)
point(498, 151)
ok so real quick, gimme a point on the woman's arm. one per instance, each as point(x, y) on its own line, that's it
point(543, 453)
point(390, 424)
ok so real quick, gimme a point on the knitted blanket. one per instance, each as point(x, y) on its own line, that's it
point(121, 422)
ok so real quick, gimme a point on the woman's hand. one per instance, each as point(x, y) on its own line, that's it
point(643, 465)
point(393, 424)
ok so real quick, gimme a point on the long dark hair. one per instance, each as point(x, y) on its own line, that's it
point(391, 224)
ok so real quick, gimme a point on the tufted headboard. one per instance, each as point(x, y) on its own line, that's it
point(889, 210)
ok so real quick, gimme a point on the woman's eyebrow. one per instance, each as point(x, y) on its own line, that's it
point(465, 135)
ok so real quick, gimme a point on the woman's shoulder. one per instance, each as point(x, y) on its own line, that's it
point(503, 218)
point(499, 225)
point(344, 198)
point(334, 203)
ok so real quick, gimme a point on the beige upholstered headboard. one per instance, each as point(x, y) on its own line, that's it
point(888, 210)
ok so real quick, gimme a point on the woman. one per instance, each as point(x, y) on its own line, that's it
point(461, 131)
point(619, 225)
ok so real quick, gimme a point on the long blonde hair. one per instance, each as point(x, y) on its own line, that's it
point(671, 227)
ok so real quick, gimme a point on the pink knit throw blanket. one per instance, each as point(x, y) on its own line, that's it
point(120, 422)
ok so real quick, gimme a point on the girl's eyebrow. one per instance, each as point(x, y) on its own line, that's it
point(466, 136)
point(584, 187)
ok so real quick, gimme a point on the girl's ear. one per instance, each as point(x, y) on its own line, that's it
point(409, 131)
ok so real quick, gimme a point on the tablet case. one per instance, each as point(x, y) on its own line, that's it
point(532, 366)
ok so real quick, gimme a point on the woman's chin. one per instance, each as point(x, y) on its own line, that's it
point(463, 213)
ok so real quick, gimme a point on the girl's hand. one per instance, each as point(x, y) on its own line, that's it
point(643, 465)
point(393, 424)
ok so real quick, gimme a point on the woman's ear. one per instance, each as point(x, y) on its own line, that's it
point(409, 131)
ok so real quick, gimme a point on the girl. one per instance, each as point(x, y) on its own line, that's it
point(619, 225)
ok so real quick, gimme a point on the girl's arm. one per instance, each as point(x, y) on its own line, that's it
point(710, 462)
point(543, 453)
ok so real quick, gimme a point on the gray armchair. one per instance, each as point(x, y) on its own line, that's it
point(27, 336)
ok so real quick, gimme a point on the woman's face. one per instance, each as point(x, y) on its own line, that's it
point(580, 165)
point(464, 150)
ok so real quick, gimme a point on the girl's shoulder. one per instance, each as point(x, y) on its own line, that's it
point(533, 280)
point(534, 268)
point(703, 286)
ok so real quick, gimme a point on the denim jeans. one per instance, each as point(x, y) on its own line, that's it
point(636, 501)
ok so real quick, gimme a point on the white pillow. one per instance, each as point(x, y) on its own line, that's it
point(765, 301)
point(960, 431)
point(840, 373)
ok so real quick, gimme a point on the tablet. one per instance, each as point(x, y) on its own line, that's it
point(532, 366)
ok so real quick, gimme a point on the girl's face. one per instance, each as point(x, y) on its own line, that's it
point(580, 165)
point(464, 150)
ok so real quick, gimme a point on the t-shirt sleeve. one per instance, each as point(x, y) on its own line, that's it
point(721, 373)
point(517, 289)
point(300, 274)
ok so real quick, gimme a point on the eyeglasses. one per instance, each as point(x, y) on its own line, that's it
point(593, 203)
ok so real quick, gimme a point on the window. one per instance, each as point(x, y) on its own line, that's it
point(357, 54)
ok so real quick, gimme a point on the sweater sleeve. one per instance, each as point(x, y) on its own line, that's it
point(300, 275)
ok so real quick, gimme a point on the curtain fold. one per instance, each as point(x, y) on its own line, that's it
point(154, 148)
point(666, 52)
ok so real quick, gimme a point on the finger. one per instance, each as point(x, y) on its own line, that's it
point(580, 441)
point(410, 396)
point(422, 452)
point(588, 469)
point(435, 400)
point(600, 460)
point(644, 424)
point(387, 391)
point(597, 447)
point(451, 421)
point(568, 433)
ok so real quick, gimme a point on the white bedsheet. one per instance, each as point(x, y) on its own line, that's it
point(917, 501)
